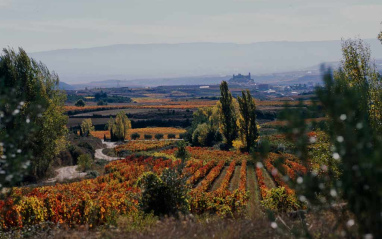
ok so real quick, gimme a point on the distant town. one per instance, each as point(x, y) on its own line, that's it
point(237, 83)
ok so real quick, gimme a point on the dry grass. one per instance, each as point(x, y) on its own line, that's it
point(319, 226)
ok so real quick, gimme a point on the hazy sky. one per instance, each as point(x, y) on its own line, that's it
point(39, 25)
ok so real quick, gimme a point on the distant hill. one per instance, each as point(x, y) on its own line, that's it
point(310, 74)
point(170, 62)
point(197, 80)
point(64, 86)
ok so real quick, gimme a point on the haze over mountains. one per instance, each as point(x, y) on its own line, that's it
point(186, 63)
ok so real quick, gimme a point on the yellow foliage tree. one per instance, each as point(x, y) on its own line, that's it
point(119, 126)
point(360, 71)
point(87, 127)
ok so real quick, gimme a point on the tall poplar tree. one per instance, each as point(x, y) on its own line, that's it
point(227, 115)
point(247, 120)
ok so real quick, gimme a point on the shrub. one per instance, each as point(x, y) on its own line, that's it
point(84, 162)
point(148, 136)
point(182, 136)
point(159, 136)
point(278, 200)
point(64, 158)
point(101, 102)
point(80, 103)
point(76, 152)
point(93, 174)
point(171, 136)
point(87, 146)
point(167, 194)
point(135, 136)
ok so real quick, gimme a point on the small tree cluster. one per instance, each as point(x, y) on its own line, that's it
point(84, 162)
point(119, 127)
point(205, 130)
point(228, 120)
point(86, 127)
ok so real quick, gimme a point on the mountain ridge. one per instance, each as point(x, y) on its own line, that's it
point(158, 61)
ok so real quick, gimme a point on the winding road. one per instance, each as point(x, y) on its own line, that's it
point(100, 155)
point(70, 172)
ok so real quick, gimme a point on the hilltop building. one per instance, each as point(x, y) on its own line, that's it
point(241, 79)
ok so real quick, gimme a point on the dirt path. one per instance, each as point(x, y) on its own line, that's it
point(235, 179)
point(268, 179)
point(100, 155)
point(219, 179)
point(254, 207)
point(70, 172)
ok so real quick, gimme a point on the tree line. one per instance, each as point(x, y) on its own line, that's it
point(230, 123)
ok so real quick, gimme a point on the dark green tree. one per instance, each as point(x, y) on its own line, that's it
point(101, 102)
point(80, 103)
point(183, 154)
point(356, 148)
point(247, 120)
point(135, 136)
point(148, 136)
point(167, 194)
point(40, 107)
point(227, 115)
point(81, 133)
point(159, 136)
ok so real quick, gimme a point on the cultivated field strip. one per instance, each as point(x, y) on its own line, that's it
point(268, 179)
point(235, 179)
point(219, 179)
point(254, 207)
point(206, 183)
